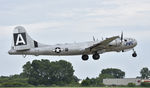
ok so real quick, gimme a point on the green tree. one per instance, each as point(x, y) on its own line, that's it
point(86, 82)
point(26, 69)
point(93, 82)
point(104, 76)
point(145, 73)
point(44, 72)
point(13, 81)
point(116, 73)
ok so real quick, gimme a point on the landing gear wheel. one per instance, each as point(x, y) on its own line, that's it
point(85, 57)
point(134, 54)
point(96, 56)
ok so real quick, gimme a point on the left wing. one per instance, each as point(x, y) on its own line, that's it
point(101, 45)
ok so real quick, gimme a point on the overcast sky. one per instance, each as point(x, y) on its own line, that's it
point(68, 21)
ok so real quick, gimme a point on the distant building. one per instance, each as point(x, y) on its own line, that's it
point(124, 81)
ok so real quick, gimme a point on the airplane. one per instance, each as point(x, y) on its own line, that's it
point(23, 44)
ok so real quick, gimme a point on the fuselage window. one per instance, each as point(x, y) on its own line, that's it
point(66, 49)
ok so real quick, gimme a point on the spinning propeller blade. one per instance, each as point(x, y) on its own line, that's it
point(121, 36)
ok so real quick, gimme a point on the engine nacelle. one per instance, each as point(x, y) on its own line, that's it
point(116, 42)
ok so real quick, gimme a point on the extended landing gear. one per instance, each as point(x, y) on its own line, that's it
point(85, 57)
point(95, 56)
point(134, 54)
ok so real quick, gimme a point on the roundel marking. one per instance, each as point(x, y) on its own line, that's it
point(57, 49)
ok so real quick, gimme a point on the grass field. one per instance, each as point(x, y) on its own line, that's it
point(74, 87)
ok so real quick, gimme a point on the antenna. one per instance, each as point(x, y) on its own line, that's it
point(93, 38)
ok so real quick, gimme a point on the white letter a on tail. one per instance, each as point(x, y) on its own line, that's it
point(20, 39)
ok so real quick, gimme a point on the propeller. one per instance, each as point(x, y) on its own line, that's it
point(121, 36)
point(121, 40)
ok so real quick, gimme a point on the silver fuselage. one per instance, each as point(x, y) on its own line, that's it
point(77, 48)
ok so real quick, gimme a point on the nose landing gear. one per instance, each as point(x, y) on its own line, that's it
point(134, 54)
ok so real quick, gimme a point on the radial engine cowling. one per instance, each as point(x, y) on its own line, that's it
point(116, 42)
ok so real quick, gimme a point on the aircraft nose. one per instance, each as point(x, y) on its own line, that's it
point(134, 42)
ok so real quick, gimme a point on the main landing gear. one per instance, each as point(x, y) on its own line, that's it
point(95, 56)
point(134, 54)
point(85, 57)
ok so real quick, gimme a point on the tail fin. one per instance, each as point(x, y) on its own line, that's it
point(21, 40)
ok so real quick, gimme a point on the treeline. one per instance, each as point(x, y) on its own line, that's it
point(43, 73)
point(105, 73)
point(59, 73)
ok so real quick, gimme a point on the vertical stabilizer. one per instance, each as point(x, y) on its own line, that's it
point(21, 40)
